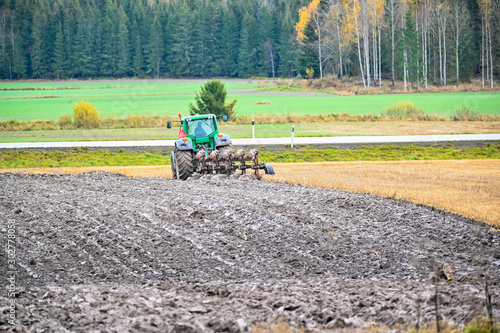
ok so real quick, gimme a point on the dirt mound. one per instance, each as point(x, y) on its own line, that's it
point(126, 241)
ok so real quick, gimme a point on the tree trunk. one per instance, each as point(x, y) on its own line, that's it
point(374, 55)
point(440, 60)
point(272, 61)
point(379, 61)
point(340, 50)
point(367, 60)
point(418, 61)
point(482, 52)
point(405, 58)
point(392, 35)
point(359, 51)
point(491, 58)
point(316, 20)
point(487, 48)
point(456, 48)
point(405, 68)
point(424, 45)
point(444, 49)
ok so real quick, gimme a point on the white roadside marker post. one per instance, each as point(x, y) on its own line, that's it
point(253, 129)
point(293, 132)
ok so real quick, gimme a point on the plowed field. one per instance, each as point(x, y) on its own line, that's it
point(105, 252)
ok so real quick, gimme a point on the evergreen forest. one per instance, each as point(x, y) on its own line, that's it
point(420, 42)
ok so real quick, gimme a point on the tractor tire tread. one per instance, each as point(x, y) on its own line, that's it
point(184, 160)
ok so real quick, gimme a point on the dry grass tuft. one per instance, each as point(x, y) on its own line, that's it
point(467, 187)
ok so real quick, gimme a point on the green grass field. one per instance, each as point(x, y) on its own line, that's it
point(83, 158)
point(49, 100)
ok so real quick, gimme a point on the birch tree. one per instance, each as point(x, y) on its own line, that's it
point(340, 28)
point(424, 33)
point(439, 15)
point(352, 9)
point(392, 8)
point(460, 18)
point(365, 30)
point(485, 9)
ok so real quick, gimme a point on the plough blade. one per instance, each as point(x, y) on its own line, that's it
point(228, 162)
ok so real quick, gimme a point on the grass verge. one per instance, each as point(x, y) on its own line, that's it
point(82, 157)
point(263, 130)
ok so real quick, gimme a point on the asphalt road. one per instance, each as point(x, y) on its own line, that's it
point(262, 141)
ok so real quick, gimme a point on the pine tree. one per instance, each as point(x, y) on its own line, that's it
point(182, 52)
point(248, 57)
point(82, 63)
point(109, 38)
point(308, 56)
point(267, 41)
point(155, 49)
point(71, 12)
point(287, 50)
point(230, 44)
point(37, 49)
point(138, 59)
point(4, 57)
point(411, 46)
point(58, 54)
point(122, 47)
point(201, 39)
point(19, 62)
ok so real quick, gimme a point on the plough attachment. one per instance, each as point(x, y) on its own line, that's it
point(226, 161)
point(202, 149)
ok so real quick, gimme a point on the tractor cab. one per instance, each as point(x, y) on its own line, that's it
point(200, 127)
point(201, 132)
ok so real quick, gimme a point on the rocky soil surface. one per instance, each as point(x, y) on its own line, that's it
point(104, 252)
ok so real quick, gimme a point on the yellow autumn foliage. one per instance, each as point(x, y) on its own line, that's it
point(305, 15)
point(85, 115)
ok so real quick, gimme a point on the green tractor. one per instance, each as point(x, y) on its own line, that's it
point(202, 149)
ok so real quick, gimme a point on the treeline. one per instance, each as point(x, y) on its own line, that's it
point(147, 38)
point(420, 42)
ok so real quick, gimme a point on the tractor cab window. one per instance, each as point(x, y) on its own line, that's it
point(200, 127)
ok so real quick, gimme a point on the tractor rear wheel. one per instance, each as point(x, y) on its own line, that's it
point(184, 163)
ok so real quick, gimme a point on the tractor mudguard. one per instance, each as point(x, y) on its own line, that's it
point(225, 140)
point(184, 145)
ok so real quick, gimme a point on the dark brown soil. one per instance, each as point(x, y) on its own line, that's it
point(103, 252)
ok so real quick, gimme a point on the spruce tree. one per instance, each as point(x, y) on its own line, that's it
point(19, 62)
point(122, 47)
point(248, 57)
point(138, 59)
point(155, 49)
point(308, 56)
point(58, 54)
point(38, 42)
point(287, 50)
point(411, 45)
point(230, 44)
point(182, 49)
